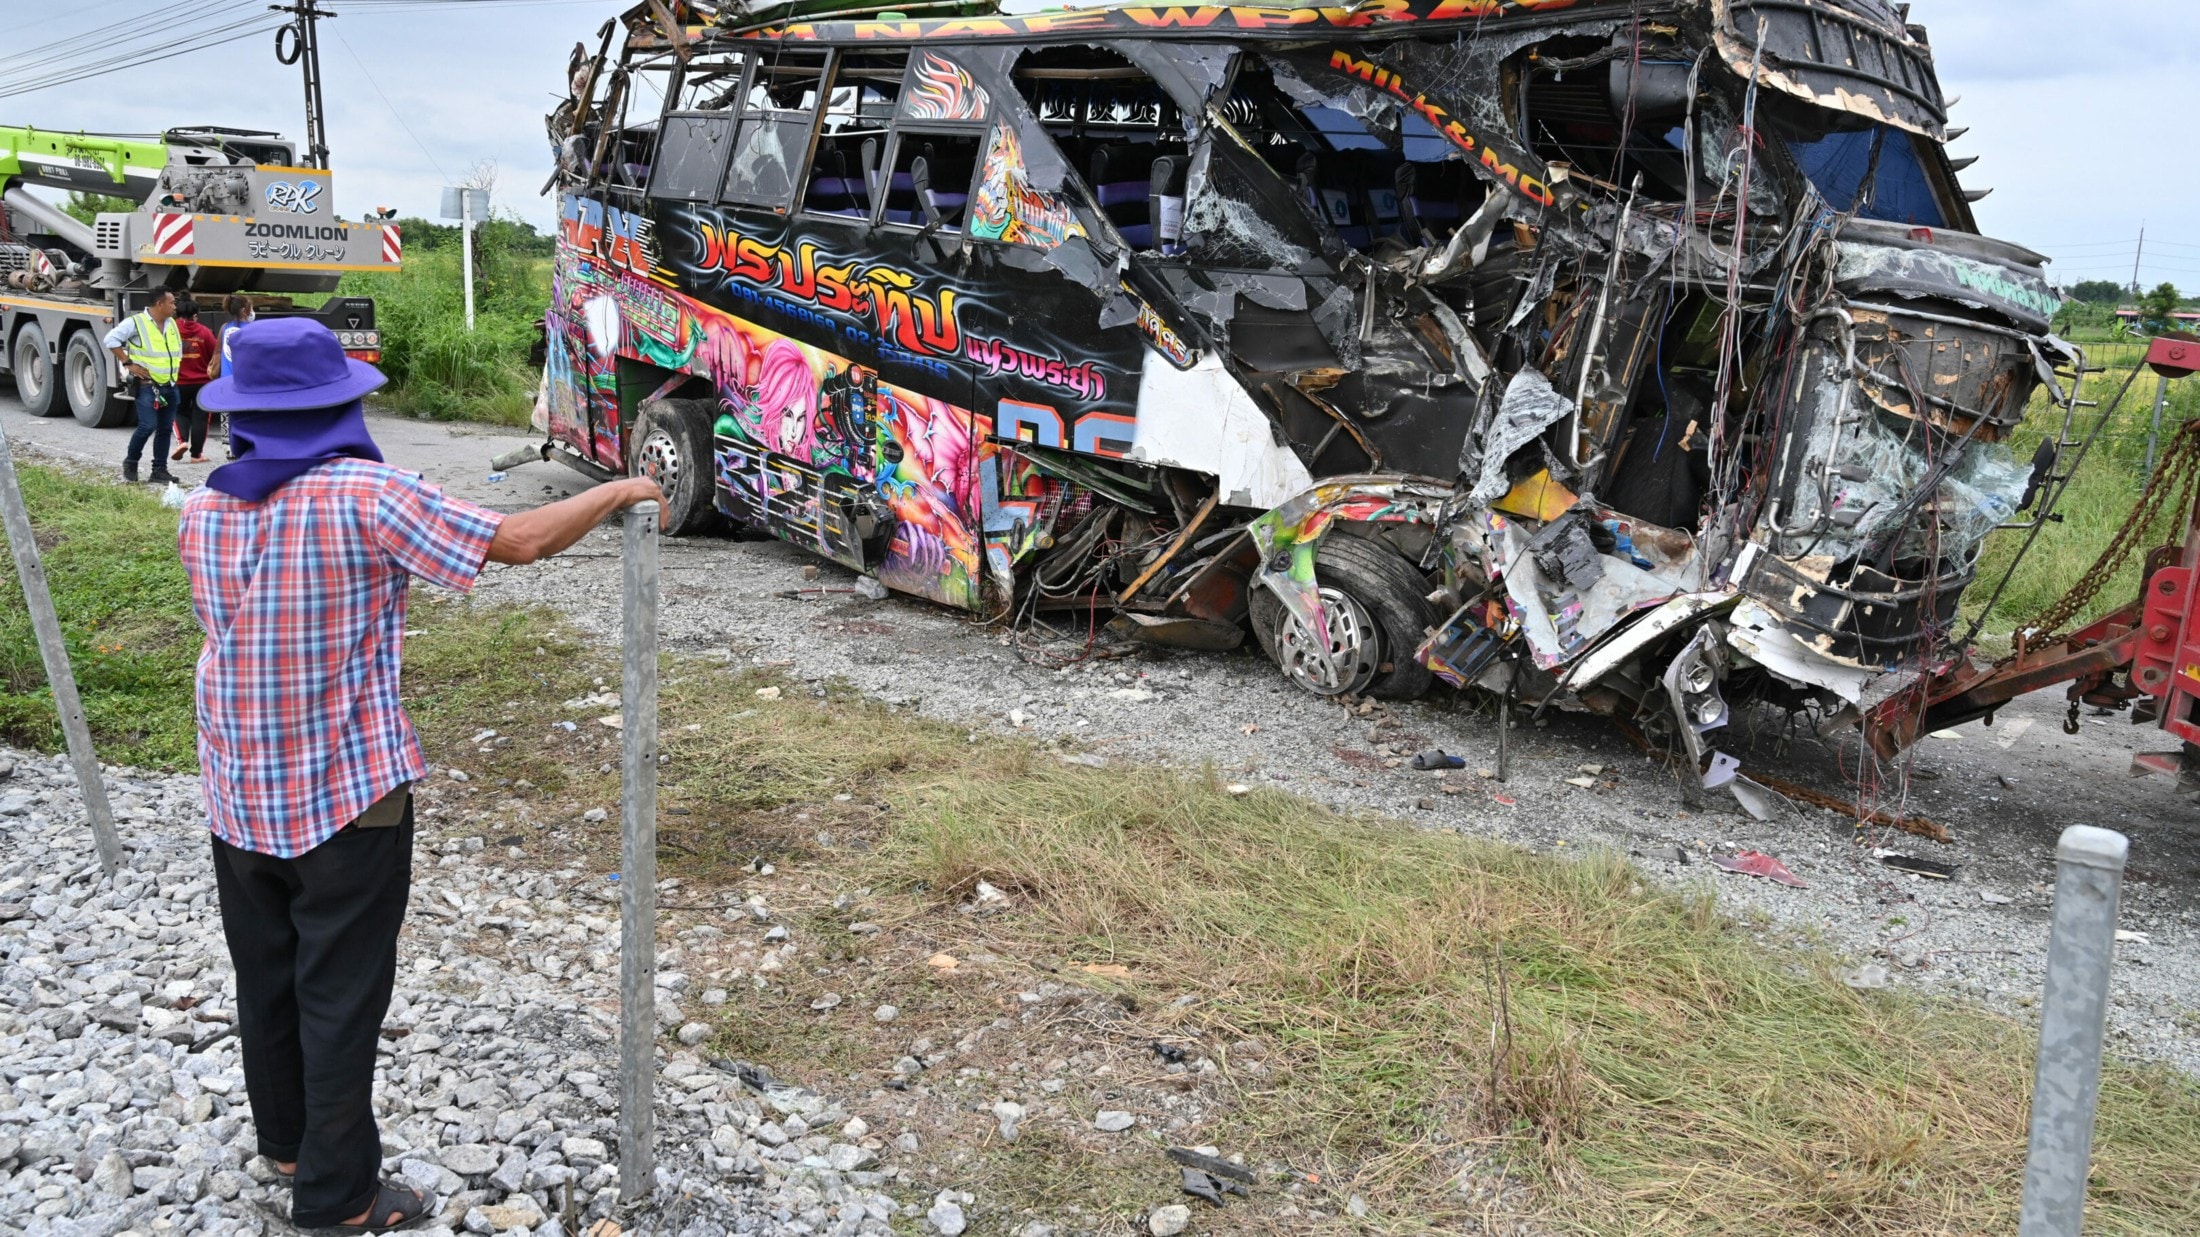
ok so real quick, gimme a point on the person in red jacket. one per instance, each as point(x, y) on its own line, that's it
point(201, 364)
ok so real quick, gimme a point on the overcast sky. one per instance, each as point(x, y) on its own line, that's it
point(2075, 110)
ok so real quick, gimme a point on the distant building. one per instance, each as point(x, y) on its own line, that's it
point(2192, 316)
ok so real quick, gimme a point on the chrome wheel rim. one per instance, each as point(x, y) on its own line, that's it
point(83, 376)
point(30, 372)
point(659, 460)
point(1349, 637)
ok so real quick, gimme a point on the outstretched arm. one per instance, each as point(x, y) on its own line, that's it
point(544, 531)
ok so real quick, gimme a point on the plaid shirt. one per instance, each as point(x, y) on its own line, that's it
point(303, 600)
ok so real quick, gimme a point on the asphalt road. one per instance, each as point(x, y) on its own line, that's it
point(454, 456)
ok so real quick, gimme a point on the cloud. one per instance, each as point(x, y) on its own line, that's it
point(2070, 106)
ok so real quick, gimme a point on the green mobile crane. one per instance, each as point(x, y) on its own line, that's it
point(223, 211)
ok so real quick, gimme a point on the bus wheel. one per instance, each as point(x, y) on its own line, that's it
point(1374, 617)
point(84, 381)
point(34, 373)
point(672, 448)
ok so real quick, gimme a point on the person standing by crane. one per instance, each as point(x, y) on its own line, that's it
point(150, 348)
point(201, 364)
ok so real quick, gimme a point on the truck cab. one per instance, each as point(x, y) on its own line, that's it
point(225, 212)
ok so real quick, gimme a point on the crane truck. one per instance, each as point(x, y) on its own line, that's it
point(222, 211)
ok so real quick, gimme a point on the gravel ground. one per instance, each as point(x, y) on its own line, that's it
point(2005, 792)
point(124, 1109)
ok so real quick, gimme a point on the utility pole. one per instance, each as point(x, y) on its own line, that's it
point(2135, 256)
point(300, 41)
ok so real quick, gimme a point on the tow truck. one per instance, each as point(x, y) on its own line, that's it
point(222, 211)
point(2142, 656)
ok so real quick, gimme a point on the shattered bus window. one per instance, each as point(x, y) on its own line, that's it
point(1641, 358)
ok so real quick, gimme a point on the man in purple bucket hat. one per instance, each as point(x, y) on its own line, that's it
point(301, 553)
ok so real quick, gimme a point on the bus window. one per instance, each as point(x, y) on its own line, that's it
point(931, 180)
point(697, 130)
point(1118, 129)
point(777, 117)
point(852, 139)
point(937, 132)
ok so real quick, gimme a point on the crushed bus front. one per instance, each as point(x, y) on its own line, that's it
point(1640, 357)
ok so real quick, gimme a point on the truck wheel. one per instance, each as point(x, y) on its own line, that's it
point(672, 448)
point(1376, 616)
point(34, 373)
point(84, 381)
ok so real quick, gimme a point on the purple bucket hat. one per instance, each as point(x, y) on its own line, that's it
point(286, 365)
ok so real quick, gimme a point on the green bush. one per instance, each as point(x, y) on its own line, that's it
point(438, 369)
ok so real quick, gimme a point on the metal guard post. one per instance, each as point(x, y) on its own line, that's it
point(2073, 1020)
point(638, 859)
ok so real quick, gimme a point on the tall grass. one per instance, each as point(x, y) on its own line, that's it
point(438, 369)
point(1652, 1065)
point(125, 609)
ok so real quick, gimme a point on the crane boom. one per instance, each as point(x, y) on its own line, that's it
point(81, 162)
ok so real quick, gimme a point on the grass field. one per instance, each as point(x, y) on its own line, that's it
point(2099, 499)
point(110, 561)
point(1626, 1057)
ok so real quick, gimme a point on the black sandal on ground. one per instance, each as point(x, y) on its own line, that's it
point(411, 1207)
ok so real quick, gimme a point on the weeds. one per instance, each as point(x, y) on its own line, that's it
point(438, 369)
point(110, 563)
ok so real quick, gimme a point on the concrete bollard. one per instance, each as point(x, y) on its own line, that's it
point(638, 859)
point(2073, 1018)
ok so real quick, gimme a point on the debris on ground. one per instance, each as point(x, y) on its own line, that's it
point(1868, 977)
point(1757, 863)
point(1931, 869)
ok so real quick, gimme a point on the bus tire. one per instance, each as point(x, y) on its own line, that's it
point(84, 382)
point(672, 448)
point(37, 382)
point(1377, 616)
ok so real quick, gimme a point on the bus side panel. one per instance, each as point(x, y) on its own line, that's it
point(806, 440)
point(583, 332)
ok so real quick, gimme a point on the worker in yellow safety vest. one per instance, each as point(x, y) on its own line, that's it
point(150, 349)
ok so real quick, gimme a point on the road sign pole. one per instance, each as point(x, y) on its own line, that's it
point(466, 248)
point(47, 625)
point(2066, 1083)
point(638, 859)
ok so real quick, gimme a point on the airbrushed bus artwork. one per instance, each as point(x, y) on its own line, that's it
point(1641, 357)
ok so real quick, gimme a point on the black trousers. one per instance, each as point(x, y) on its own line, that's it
point(190, 419)
point(314, 941)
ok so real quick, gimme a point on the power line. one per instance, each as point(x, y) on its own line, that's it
point(110, 54)
point(86, 41)
point(400, 116)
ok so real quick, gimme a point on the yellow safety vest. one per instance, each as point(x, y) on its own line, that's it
point(158, 347)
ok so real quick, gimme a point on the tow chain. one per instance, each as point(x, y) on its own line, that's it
point(2176, 473)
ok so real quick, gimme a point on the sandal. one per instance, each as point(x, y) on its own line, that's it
point(410, 1206)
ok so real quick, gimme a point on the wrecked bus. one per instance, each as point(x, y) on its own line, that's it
point(1637, 356)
